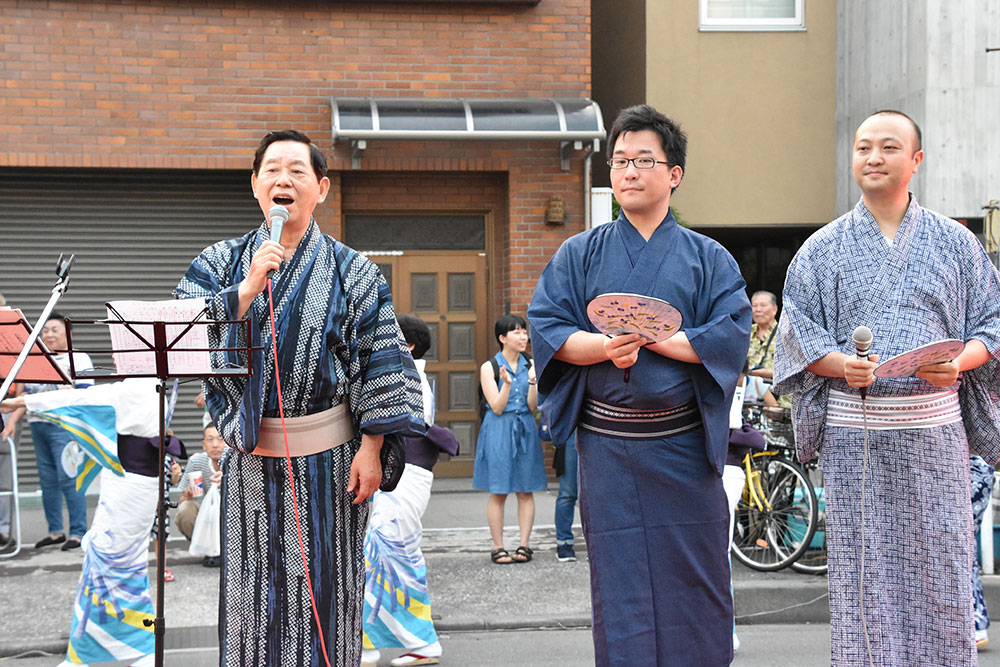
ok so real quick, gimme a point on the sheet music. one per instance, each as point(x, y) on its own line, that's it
point(181, 358)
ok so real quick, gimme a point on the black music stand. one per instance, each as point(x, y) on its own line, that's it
point(161, 347)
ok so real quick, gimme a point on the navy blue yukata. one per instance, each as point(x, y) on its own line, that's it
point(654, 510)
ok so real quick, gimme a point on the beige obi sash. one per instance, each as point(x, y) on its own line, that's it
point(893, 412)
point(307, 435)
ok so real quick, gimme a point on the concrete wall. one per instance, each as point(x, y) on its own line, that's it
point(927, 58)
point(758, 108)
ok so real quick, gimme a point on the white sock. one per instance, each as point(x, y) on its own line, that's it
point(370, 655)
point(428, 650)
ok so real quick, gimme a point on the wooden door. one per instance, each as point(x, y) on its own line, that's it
point(447, 289)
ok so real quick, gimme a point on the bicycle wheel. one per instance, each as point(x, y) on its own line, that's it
point(776, 516)
point(813, 560)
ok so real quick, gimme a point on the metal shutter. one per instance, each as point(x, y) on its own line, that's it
point(134, 233)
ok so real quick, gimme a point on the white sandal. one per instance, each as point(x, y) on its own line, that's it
point(408, 659)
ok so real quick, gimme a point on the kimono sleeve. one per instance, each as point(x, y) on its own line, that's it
point(558, 310)
point(235, 403)
point(802, 338)
point(722, 338)
point(385, 394)
point(979, 393)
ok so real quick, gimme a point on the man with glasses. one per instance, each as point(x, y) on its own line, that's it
point(651, 448)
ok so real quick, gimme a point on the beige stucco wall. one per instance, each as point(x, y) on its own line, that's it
point(758, 108)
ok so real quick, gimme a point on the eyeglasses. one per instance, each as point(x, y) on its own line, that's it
point(639, 162)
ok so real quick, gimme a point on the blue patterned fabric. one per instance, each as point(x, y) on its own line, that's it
point(982, 485)
point(337, 341)
point(508, 451)
point(397, 609)
point(934, 281)
point(113, 597)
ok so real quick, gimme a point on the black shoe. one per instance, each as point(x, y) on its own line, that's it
point(565, 553)
point(212, 561)
point(71, 543)
point(48, 540)
point(4, 540)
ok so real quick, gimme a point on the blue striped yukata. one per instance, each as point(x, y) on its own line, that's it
point(338, 342)
point(653, 506)
point(933, 281)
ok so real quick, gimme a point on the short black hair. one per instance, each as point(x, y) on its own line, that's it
point(416, 332)
point(56, 316)
point(916, 128)
point(644, 117)
point(315, 154)
point(506, 324)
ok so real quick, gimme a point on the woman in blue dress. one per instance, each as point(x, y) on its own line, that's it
point(509, 452)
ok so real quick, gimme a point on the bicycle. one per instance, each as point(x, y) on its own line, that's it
point(777, 514)
point(813, 560)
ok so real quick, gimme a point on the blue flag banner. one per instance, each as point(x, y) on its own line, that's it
point(94, 429)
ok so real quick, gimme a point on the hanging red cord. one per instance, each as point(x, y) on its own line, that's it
point(291, 478)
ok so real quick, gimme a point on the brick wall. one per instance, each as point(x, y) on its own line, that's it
point(193, 84)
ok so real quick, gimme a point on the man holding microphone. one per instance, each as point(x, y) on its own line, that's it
point(894, 451)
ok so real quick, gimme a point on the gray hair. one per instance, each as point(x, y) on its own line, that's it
point(770, 295)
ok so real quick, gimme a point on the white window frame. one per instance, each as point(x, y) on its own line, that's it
point(797, 23)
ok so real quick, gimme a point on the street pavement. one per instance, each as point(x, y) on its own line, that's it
point(533, 614)
point(785, 645)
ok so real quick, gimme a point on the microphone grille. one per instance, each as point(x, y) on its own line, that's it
point(279, 213)
point(862, 335)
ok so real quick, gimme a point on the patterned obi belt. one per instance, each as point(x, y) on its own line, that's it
point(632, 424)
point(307, 435)
point(893, 412)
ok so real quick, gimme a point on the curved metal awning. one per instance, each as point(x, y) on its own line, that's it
point(571, 121)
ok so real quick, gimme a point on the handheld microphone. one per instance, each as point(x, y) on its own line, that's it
point(862, 344)
point(278, 216)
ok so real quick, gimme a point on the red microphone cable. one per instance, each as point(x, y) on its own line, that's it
point(291, 478)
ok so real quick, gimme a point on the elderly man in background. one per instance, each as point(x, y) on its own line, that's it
point(760, 356)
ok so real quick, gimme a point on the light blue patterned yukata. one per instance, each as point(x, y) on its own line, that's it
point(933, 281)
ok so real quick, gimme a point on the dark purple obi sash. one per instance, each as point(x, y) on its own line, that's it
point(634, 424)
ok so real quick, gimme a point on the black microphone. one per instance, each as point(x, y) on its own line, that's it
point(278, 216)
point(862, 344)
